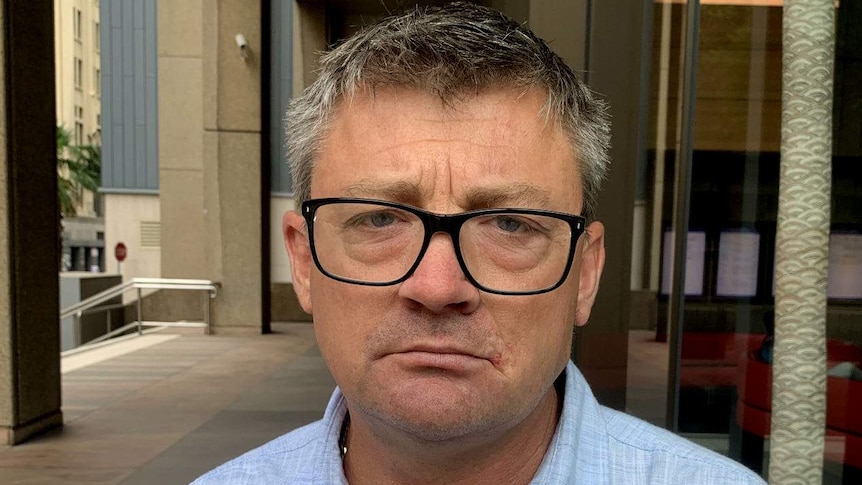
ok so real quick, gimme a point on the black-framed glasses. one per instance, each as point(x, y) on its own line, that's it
point(502, 251)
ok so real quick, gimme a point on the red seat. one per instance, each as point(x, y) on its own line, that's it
point(843, 403)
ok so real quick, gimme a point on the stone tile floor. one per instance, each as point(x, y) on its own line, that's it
point(166, 412)
point(646, 377)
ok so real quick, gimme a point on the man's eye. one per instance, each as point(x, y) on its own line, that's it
point(510, 224)
point(380, 219)
point(373, 219)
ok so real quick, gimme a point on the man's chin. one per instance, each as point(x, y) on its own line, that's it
point(439, 426)
point(436, 408)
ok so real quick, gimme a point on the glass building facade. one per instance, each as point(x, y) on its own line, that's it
point(716, 106)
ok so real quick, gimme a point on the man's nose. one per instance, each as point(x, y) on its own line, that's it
point(439, 283)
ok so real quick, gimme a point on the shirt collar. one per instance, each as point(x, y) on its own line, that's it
point(328, 465)
point(579, 450)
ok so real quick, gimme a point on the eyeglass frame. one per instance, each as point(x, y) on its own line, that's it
point(450, 224)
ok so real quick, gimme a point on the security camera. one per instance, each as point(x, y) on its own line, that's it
point(242, 44)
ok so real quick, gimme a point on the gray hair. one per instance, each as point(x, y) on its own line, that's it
point(452, 51)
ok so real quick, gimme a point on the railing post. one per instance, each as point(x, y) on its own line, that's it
point(77, 329)
point(140, 313)
point(208, 296)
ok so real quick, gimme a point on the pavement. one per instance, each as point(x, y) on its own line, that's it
point(166, 407)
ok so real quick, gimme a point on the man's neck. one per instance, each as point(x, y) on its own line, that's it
point(513, 458)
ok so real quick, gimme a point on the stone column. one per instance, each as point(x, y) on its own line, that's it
point(802, 244)
point(181, 154)
point(605, 48)
point(232, 163)
point(617, 69)
point(210, 154)
point(29, 236)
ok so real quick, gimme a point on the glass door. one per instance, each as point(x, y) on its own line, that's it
point(707, 255)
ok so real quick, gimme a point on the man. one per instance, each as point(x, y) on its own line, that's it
point(441, 161)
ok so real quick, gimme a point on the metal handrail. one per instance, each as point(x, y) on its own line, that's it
point(78, 309)
point(148, 283)
point(94, 300)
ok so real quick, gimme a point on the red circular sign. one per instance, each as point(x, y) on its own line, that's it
point(120, 252)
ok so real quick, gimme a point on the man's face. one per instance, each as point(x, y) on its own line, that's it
point(434, 356)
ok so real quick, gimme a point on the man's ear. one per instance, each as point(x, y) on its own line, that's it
point(299, 251)
point(590, 270)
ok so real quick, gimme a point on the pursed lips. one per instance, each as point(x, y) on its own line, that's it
point(438, 349)
point(437, 356)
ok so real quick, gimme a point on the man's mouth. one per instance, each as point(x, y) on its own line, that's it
point(439, 357)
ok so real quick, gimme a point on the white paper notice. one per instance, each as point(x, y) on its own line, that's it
point(694, 262)
point(845, 266)
point(738, 257)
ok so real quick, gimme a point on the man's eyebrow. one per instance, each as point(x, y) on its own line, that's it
point(510, 195)
point(397, 191)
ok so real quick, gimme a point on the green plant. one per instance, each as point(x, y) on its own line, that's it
point(79, 168)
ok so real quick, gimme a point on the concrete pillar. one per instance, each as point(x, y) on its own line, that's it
point(181, 152)
point(210, 154)
point(29, 239)
point(617, 68)
point(603, 42)
point(564, 26)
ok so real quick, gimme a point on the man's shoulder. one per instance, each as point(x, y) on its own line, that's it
point(659, 456)
point(282, 460)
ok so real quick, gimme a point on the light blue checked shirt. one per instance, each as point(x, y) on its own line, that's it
point(593, 445)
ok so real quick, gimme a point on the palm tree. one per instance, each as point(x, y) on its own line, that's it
point(802, 244)
point(79, 168)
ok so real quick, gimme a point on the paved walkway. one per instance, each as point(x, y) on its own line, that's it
point(166, 407)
